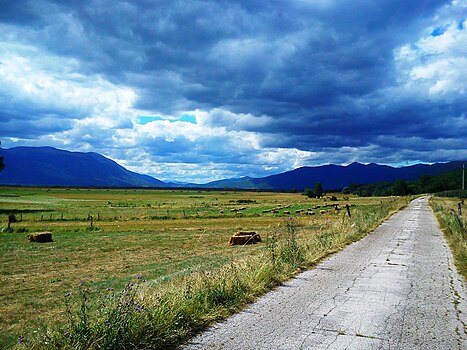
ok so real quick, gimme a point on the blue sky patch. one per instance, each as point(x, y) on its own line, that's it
point(188, 118)
point(146, 119)
point(439, 31)
point(460, 25)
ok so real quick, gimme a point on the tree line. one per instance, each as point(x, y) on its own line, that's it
point(446, 182)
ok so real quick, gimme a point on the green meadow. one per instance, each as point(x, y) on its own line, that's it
point(104, 238)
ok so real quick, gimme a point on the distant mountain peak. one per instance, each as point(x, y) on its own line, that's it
point(355, 164)
point(49, 166)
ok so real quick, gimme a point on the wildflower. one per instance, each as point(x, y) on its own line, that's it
point(21, 339)
point(139, 277)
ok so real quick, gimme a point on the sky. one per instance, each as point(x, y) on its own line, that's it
point(198, 91)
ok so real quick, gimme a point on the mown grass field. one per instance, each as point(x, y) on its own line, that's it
point(161, 235)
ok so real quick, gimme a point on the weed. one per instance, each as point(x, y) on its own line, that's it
point(283, 245)
point(107, 320)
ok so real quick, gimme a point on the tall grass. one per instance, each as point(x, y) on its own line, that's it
point(150, 315)
point(455, 229)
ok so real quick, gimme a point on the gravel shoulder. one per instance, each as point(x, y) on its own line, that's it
point(395, 289)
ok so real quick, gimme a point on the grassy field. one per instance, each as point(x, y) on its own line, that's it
point(105, 238)
point(454, 227)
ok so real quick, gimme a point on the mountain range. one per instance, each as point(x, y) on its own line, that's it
point(335, 177)
point(47, 166)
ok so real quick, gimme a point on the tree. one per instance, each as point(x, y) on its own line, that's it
point(424, 184)
point(401, 188)
point(318, 190)
point(309, 192)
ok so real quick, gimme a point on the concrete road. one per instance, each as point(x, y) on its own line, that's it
point(395, 289)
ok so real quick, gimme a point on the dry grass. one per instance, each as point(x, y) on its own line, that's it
point(157, 234)
point(454, 228)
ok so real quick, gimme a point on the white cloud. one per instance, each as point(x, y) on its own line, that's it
point(232, 121)
point(44, 83)
point(436, 64)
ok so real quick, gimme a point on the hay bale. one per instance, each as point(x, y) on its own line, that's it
point(310, 213)
point(253, 234)
point(244, 237)
point(322, 211)
point(286, 212)
point(40, 237)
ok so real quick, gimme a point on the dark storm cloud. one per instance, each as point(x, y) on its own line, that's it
point(18, 12)
point(247, 56)
point(318, 76)
point(30, 129)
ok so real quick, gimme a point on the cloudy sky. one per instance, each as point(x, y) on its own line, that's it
point(203, 90)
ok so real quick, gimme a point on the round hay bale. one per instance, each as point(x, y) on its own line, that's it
point(245, 237)
point(40, 237)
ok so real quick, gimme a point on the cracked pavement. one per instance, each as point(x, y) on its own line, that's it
point(395, 289)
